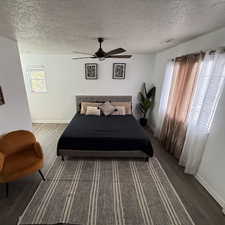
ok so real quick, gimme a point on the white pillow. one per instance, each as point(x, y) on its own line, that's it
point(120, 111)
point(93, 111)
point(92, 107)
point(84, 106)
point(107, 108)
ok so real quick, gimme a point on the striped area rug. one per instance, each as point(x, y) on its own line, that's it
point(106, 192)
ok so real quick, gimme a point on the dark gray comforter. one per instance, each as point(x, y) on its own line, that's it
point(104, 133)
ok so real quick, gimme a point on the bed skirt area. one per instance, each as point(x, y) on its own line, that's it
point(103, 154)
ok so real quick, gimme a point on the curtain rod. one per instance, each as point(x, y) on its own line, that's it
point(202, 51)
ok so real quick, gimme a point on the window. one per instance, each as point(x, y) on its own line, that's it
point(38, 80)
point(203, 94)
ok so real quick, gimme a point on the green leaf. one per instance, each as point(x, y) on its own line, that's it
point(151, 92)
point(146, 99)
point(142, 97)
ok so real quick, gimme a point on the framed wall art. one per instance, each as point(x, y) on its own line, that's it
point(2, 101)
point(91, 71)
point(119, 70)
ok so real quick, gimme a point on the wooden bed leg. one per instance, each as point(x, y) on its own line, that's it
point(146, 159)
point(62, 158)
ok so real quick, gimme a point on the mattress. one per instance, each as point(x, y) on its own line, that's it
point(89, 132)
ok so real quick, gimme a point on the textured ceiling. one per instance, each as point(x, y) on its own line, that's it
point(140, 26)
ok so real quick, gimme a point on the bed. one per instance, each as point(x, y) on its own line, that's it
point(104, 136)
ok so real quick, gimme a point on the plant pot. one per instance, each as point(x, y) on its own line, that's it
point(143, 122)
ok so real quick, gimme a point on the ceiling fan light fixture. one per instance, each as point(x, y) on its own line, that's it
point(102, 55)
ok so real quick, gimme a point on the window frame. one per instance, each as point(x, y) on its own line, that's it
point(37, 68)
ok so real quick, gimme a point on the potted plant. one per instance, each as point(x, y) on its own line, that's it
point(146, 104)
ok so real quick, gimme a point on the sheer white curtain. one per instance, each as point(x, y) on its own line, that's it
point(209, 88)
point(165, 95)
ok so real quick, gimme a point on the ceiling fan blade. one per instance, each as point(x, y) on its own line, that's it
point(120, 56)
point(83, 53)
point(83, 57)
point(115, 51)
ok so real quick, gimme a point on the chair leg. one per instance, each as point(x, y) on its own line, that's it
point(7, 190)
point(42, 176)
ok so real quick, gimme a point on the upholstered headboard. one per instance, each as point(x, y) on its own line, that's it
point(101, 98)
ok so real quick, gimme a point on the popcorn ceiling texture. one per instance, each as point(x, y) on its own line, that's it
point(140, 26)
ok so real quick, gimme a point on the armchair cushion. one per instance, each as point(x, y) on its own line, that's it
point(16, 141)
point(19, 161)
point(19, 165)
point(38, 150)
point(2, 158)
point(20, 155)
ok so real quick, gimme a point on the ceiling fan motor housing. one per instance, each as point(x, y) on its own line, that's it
point(100, 53)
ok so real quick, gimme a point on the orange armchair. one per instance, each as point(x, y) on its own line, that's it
point(20, 155)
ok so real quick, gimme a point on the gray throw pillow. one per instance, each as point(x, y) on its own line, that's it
point(107, 108)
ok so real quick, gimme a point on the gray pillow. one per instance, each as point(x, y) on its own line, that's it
point(107, 108)
point(120, 111)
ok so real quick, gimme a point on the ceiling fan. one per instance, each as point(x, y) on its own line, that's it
point(101, 55)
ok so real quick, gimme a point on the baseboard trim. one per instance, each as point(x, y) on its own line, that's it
point(211, 191)
point(50, 121)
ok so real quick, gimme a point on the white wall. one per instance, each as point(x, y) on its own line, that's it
point(212, 169)
point(14, 114)
point(66, 79)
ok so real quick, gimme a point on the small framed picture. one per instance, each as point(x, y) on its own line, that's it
point(91, 71)
point(2, 101)
point(119, 70)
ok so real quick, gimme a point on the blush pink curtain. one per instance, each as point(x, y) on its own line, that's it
point(174, 126)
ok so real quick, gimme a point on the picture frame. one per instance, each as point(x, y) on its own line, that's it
point(91, 71)
point(2, 100)
point(119, 71)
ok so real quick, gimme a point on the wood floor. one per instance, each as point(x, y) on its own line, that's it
point(201, 206)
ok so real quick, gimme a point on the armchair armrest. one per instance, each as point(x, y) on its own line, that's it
point(38, 149)
point(2, 159)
